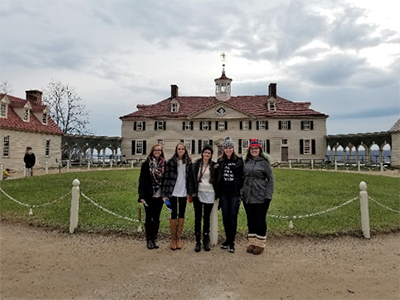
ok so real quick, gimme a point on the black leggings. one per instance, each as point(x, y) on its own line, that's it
point(198, 212)
point(174, 206)
point(257, 217)
point(153, 210)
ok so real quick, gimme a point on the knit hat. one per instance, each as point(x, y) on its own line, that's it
point(254, 143)
point(228, 143)
point(207, 147)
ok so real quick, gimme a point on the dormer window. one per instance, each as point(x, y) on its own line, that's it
point(26, 114)
point(3, 110)
point(271, 106)
point(174, 107)
point(44, 118)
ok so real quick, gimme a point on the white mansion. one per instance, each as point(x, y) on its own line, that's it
point(286, 129)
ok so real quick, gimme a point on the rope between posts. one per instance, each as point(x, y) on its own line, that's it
point(34, 205)
point(313, 214)
point(384, 206)
point(108, 211)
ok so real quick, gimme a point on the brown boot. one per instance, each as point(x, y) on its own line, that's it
point(260, 245)
point(252, 243)
point(172, 228)
point(179, 230)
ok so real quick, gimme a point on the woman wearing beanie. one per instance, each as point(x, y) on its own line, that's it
point(258, 189)
point(150, 181)
point(174, 188)
point(202, 191)
point(229, 182)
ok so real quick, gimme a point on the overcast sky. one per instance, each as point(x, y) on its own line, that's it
point(342, 56)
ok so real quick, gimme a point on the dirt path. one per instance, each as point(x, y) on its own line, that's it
point(40, 264)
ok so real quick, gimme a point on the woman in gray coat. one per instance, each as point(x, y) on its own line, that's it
point(257, 193)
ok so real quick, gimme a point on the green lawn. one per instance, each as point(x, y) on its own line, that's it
point(297, 193)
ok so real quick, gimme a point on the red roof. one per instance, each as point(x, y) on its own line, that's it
point(14, 122)
point(255, 106)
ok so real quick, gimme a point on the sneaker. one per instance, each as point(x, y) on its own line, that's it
point(225, 245)
point(231, 248)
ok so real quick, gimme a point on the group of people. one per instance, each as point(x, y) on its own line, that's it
point(232, 179)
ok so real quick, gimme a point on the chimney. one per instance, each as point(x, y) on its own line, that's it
point(272, 90)
point(174, 91)
point(34, 96)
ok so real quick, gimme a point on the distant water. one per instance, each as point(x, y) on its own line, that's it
point(374, 156)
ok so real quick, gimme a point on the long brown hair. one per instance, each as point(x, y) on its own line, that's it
point(186, 158)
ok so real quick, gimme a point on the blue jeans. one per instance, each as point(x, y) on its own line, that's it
point(230, 208)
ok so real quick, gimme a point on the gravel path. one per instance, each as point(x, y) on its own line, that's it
point(40, 264)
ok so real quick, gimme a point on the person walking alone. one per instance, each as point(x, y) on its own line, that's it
point(202, 191)
point(229, 182)
point(150, 181)
point(174, 188)
point(29, 160)
point(257, 192)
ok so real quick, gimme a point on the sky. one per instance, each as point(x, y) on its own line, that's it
point(342, 56)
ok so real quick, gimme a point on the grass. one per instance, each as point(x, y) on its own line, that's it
point(297, 193)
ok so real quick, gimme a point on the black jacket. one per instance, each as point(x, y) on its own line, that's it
point(237, 174)
point(145, 188)
point(29, 160)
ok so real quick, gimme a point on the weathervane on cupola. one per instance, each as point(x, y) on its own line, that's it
point(223, 84)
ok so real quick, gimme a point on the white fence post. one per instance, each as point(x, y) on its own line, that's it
point(1, 170)
point(290, 164)
point(335, 165)
point(364, 210)
point(381, 168)
point(47, 168)
point(68, 162)
point(312, 164)
point(358, 167)
point(88, 165)
point(73, 222)
point(214, 224)
point(111, 163)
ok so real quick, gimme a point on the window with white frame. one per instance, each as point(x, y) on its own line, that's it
point(284, 125)
point(139, 147)
point(6, 146)
point(307, 147)
point(221, 125)
point(245, 125)
point(160, 142)
point(262, 125)
point(159, 125)
point(139, 126)
point(205, 125)
point(47, 153)
point(271, 106)
point(245, 146)
point(188, 145)
point(284, 142)
point(26, 114)
point(174, 107)
point(3, 110)
point(306, 125)
point(263, 145)
point(187, 125)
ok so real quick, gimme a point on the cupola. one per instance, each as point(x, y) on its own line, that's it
point(223, 84)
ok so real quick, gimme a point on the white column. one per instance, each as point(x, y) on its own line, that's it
point(214, 224)
point(364, 209)
point(73, 223)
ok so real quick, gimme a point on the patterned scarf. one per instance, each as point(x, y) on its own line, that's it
point(156, 172)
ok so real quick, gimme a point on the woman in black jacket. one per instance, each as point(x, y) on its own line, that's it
point(150, 181)
point(201, 188)
point(174, 188)
point(229, 182)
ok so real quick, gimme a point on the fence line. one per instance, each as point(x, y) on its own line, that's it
point(76, 193)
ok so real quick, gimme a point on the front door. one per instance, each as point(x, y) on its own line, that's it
point(284, 154)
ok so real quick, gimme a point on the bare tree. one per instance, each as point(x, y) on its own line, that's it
point(5, 87)
point(66, 108)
